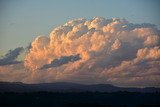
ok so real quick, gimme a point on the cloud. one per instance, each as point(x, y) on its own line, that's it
point(28, 47)
point(62, 60)
point(10, 57)
point(14, 72)
point(96, 51)
point(149, 53)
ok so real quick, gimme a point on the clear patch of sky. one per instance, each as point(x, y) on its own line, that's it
point(22, 20)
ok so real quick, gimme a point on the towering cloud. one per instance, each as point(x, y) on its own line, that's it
point(97, 51)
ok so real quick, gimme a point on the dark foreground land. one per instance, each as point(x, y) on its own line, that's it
point(79, 99)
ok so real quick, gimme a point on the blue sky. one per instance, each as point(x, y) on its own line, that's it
point(23, 20)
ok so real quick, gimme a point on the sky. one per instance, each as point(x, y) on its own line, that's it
point(23, 20)
point(81, 41)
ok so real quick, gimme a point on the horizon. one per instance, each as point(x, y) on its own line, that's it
point(93, 84)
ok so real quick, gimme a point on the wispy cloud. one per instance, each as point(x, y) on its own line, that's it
point(10, 57)
point(62, 60)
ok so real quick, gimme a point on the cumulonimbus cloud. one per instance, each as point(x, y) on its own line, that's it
point(110, 51)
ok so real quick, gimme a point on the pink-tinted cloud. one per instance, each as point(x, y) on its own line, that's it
point(110, 50)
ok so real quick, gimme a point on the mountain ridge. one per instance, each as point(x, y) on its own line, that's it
point(69, 87)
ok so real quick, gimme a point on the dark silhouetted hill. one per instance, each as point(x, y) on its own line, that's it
point(68, 87)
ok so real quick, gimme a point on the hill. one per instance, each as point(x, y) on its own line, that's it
point(68, 87)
